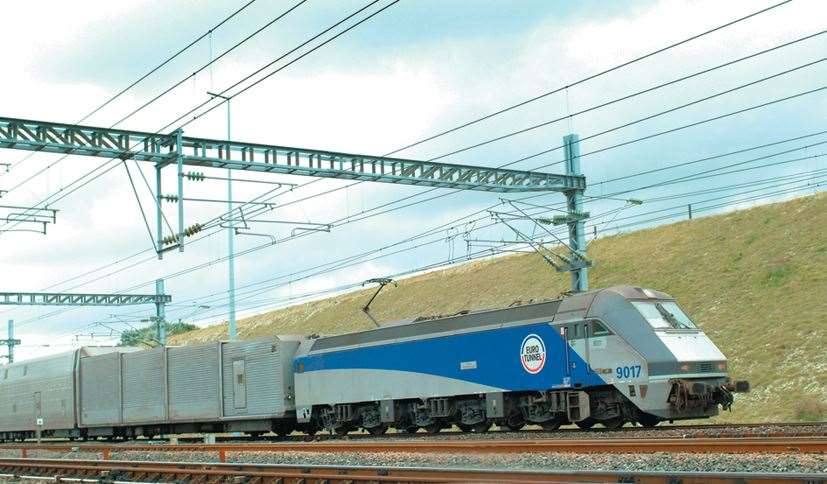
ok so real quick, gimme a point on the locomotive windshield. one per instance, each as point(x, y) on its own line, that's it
point(664, 315)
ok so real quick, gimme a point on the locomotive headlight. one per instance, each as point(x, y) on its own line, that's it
point(722, 366)
point(685, 367)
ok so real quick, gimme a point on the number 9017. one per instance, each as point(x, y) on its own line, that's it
point(626, 372)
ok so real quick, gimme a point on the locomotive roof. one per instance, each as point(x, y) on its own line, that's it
point(470, 319)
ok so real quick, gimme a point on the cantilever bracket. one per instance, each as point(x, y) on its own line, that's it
point(238, 231)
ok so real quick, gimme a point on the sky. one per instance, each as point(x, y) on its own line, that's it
point(416, 69)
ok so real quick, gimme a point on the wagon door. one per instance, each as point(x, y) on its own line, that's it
point(239, 384)
point(38, 407)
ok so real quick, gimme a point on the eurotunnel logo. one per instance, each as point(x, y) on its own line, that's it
point(533, 354)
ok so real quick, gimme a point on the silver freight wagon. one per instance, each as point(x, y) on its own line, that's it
point(217, 387)
point(42, 391)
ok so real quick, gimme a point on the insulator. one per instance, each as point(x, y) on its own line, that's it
point(193, 229)
point(170, 198)
point(195, 176)
point(169, 240)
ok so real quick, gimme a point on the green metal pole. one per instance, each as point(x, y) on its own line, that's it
point(159, 228)
point(232, 329)
point(160, 314)
point(576, 223)
point(179, 148)
point(11, 341)
point(232, 324)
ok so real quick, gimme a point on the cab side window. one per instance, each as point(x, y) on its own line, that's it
point(598, 329)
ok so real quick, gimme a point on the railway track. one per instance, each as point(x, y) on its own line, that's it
point(794, 429)
point(129, 471)
point(522, 446)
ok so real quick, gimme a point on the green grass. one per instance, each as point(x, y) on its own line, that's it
point(754, 280)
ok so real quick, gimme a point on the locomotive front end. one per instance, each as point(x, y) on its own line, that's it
point(679, 373)
point(691, 378)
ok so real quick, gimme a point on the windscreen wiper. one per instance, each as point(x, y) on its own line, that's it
point(670, 318)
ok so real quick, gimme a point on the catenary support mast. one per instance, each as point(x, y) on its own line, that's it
point(10, 342)
point(576, 218)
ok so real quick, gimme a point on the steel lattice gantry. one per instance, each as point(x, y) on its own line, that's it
point(159, 299)
point(65, 299)
point(177, 149)
point(163, 149)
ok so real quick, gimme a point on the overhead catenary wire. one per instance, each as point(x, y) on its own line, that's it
point(605, 71)
point(575, 83)
point(676, 180)
point(214, 60)
point(600, 150)
point(649, 90)
point(140, 207)
point(630, 123)
point(66, 192)
point(110, 162)
point(487, 252)
point(685, 126)
point(313, 49)
point(591, 77)
point(774, 143)
point(155, 69)
point(351, 260)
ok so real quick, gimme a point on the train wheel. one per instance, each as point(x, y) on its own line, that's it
point(648, 420)
point(515, 427)
point(410, 430)
point(433, 428)
point(514, 422)
point(378, 430)
point(552, 425)
point(481, 427)
point(342, 431)
point(585, 424)
point(613, 423)
point(464, 427)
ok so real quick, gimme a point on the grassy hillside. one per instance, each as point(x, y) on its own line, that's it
point(755, 281)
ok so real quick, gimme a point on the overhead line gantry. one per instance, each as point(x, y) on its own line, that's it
point(176, 149)
point(159, 299)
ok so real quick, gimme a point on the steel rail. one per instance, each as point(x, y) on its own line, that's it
point(147, 471)
point(711, 430)
point(580, 446)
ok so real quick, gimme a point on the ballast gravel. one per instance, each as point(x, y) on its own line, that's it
point(627, 462)
point(660, 461)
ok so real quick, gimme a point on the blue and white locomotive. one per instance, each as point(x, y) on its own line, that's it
point(609, 356)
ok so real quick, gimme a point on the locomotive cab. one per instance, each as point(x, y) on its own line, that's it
point(684, 374)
